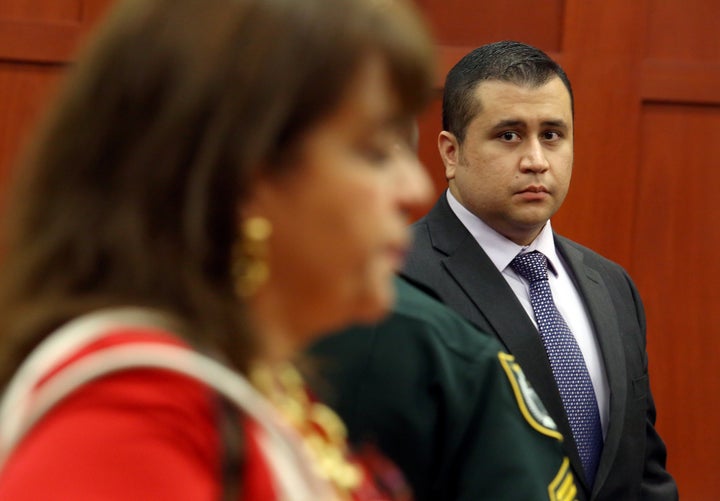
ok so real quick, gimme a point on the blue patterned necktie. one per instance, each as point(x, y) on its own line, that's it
point(566, 360)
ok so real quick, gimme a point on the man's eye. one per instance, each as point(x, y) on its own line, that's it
point(509, 136)
point(551, 135)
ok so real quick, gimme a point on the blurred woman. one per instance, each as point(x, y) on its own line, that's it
point(219, 182)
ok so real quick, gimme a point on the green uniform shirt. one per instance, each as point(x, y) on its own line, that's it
point(444, 402)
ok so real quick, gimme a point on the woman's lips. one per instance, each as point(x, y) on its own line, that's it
point(396, 254)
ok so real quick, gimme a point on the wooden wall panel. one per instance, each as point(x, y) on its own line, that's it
point(601, 66)
point(25, 90)
point(41, 10)
point(682, 53)
point(676, 239)
point(38, 42)
point(683, 30)
point(43, 30)
point(538, 23)
point(37, 39)
point(677, 232)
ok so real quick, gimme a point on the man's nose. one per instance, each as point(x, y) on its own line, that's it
point(533, 157)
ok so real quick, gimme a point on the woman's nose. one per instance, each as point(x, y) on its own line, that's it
point(415, 188)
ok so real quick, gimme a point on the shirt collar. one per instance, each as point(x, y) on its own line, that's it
point(500, 249)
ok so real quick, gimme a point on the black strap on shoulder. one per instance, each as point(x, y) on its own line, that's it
point(231, 448)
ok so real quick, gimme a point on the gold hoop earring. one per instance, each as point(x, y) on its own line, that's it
point(250, 267)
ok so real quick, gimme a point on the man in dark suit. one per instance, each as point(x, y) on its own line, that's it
point(507, 147)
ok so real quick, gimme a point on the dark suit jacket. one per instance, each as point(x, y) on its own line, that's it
point(449, 264)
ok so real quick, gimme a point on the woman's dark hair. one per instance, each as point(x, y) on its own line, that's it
point(129, 194)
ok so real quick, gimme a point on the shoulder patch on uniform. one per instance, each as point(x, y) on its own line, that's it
point(563, 488)
point(528, 401)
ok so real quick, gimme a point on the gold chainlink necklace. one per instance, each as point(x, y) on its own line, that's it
point(322, 431)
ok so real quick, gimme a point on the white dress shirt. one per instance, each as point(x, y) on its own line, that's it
point(501, 252)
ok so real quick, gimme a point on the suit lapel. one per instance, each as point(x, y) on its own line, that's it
point(497, 310)
point(603, 316)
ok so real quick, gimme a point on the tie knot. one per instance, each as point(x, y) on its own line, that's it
point(532, 266)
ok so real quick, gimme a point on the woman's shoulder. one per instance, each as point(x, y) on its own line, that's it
point(130, 432)
point(105, 439)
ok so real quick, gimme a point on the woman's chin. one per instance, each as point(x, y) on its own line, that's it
point(366, 305)
point(375, 306)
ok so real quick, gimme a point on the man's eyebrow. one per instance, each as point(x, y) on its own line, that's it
point(517, 123)
point(510, 122)
point(560, 123)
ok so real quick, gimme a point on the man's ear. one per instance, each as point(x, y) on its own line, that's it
point(449, 148)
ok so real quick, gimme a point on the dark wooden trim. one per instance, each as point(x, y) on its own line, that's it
point(682, 82)
point(38, 42)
